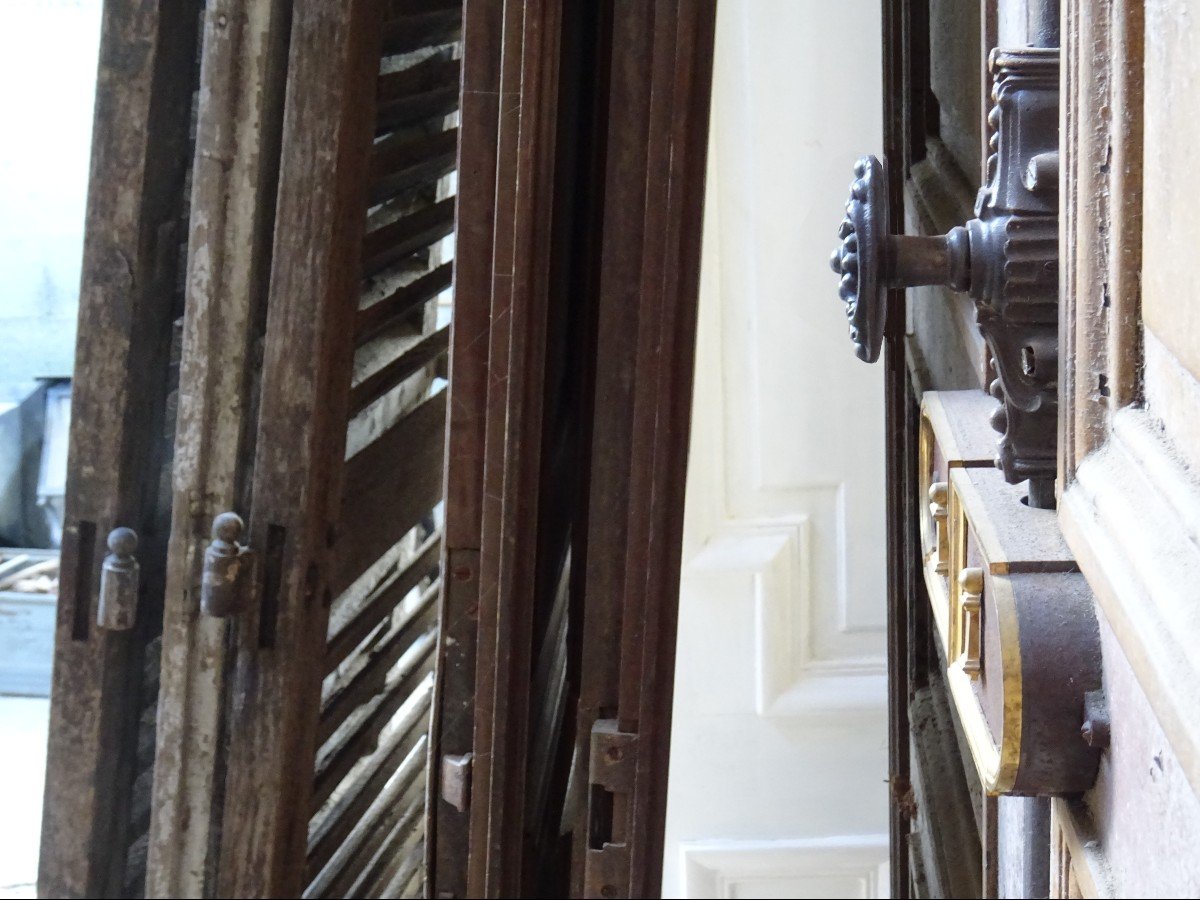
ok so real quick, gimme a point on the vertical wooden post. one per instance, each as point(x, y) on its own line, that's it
point(315, 273)
point(448, 832)
point(900, 113)
point(239, 117)
point(133, 232)
point(512, 452)
point(632, 204)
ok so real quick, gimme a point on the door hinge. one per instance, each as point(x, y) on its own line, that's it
point(456, 780)
point(119, 577)
point(612, 769)
point(227, 577)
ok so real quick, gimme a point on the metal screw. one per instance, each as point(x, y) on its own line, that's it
point(1096, 730)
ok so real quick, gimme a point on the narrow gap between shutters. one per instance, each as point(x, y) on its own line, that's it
point(82, 613)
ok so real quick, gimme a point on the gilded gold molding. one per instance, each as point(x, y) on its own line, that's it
point(970, 623)
point(934, 535)
point(996, 762)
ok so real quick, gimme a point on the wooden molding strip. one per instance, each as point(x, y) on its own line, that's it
point(1127, 519)
point(1076, 861)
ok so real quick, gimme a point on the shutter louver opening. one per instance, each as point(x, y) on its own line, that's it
point(366, 834)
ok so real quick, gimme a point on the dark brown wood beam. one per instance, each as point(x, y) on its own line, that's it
point(134, 227)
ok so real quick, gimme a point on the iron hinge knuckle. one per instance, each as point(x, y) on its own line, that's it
point(120, 576)
point(227, 575)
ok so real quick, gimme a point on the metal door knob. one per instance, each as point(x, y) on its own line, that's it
point(871, 260)
point(1006, 258)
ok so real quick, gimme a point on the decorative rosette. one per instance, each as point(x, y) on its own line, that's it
point(858, 259)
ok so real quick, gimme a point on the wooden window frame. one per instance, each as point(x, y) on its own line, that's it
point(1126, 506)
point(633, 193)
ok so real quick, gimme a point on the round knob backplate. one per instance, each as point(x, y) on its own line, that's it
point(860, 258)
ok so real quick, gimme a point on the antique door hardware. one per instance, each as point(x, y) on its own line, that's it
point(1096, 729)
point(970, 619)
point(1006, 259)
point(226, 576)
point(612, 770)
point(119, 578)
point(939, 494)
point(1023, 662)
point(1013, 617)
point(954, 434)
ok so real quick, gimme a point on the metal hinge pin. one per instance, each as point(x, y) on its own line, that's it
point(119, 576)
point(227, 563)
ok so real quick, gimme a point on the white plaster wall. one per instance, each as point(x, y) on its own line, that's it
point(778, 766)
point(48, 55)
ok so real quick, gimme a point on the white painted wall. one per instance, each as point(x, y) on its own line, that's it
point(778, 766)
point(48, 54)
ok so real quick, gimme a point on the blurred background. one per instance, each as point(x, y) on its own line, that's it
point(48, 100)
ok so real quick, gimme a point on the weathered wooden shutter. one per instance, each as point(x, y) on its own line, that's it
point(330, 692)
point(366, 836)
point(291, 731)
point(292, 728)
point(106, 679)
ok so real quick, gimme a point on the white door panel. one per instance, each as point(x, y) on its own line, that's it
point(779, 753)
